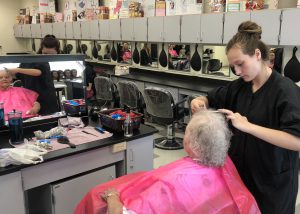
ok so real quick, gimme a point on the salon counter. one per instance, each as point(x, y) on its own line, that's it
point(120, 154)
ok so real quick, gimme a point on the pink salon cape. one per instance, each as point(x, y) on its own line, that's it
point(18, 98)
point(181, 187)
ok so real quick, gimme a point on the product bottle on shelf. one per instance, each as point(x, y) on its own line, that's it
point(128, 131)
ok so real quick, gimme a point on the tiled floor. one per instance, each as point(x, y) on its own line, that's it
point(162, 157)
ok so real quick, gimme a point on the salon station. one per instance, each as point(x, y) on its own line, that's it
point(117, 83)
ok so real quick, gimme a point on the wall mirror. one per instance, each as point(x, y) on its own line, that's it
point(124, 51)
point(66, 72)
point(179, 56)
point(215, 61)
point(148, 54)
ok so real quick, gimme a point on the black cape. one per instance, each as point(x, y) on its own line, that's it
point(43, 85)
point(269, 172)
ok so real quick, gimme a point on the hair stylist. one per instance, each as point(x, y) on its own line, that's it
point(37, 76)
point(264, 109)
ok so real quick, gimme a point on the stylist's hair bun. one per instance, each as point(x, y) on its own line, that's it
point(250, 28)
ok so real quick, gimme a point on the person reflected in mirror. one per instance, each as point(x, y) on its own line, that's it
point(264, 110)
point(271, 58)
point(170, 62)
point(126, 53)
point(17, 98)
point(90, 86)
point(146, 55)
point(172, 52)
point(37, 76)
point(184, 65)
point(205, 181)
point(107, 52)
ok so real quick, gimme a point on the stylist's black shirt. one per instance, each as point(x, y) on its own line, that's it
point(270, 172)
point(42, 84)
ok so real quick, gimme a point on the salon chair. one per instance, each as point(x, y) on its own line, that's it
point(131, 96)
point(106, 91)
point(161, 106)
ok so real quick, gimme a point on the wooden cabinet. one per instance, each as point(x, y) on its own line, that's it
point(94, 29)
point(140, 26)
point(155, 29)
point(232, 20)
point(46, 29)
point(211, 28)
point(115, 30)
point(290, 28)
point(77, 30)
point(172, 29)
point(69, 30)
point(26, 31)
point(139, 155)
point(190, 28)
point(104, 29)
point(127, 30)
point(85, 30)
point(18, 30)
point(11, 194)
point(36, 31)
point(59, 30)
point(269, 20)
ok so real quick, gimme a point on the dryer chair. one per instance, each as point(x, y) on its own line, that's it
point(160, 105)
point(106, 91)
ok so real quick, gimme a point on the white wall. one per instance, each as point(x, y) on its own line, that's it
point(8, 12)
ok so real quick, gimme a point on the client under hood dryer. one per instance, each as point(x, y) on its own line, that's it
point(196, 60)
point(163, 59)
point(292, 68)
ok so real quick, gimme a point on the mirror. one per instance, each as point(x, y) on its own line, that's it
point(215, 61)
point(149, 54)
point(124, 51)
point(179, 56)
point(68, 82)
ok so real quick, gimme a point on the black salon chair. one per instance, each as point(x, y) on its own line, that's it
point(160, 105)
point(131, 96)
point(106, 91)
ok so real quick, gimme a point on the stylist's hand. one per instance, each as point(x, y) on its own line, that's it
point(238, 121)
point(199, 103)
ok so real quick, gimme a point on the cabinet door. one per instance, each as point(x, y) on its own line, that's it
point(140, 26)
point(18, 30)
point(190, 28)
point(290, 28)
point(94, 28)
point(127, 29)
point(46, 29)
point(26, 31)
point(139, 154)
point(77, 30)
point(36, 31)
point(211, 28)
point(231, 23)
point(67, 195)
point(172, 29)
point(85, 30)
point(59, 30)
point(269, 20)
point(69, 30)
point(11, 194)
point(155, 29)
point(115, 29)
point(104, 29)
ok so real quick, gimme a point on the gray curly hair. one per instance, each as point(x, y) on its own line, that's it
point(209, 137)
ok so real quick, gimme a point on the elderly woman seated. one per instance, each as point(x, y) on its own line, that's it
point(20, 99)
point(204, 182)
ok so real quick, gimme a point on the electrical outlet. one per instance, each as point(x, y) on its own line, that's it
point(119, 147)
